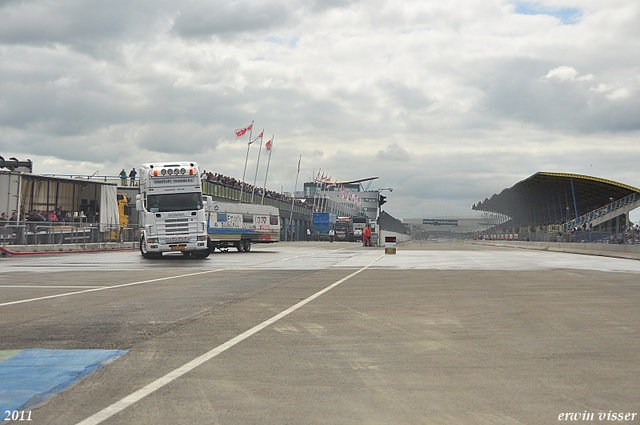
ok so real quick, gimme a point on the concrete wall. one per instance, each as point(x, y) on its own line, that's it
point(399, 237)
point(606, 250)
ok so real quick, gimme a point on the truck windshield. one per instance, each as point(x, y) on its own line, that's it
point(174, 202)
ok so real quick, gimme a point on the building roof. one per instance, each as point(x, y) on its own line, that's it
point(546, 197)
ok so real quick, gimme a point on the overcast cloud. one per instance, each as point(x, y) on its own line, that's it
point(447, 102)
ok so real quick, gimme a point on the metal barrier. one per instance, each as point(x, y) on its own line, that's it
point(66, 235)
point(108, 230)
point(72, 230)
point(48, 232)
point(10, 230)
point(128, 234)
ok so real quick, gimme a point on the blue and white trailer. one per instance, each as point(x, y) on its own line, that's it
point(240, 225)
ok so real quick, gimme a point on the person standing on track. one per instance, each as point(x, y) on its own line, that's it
point(367, 236)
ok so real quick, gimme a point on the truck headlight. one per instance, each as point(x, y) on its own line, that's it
point(152, 240)
point(202, 238)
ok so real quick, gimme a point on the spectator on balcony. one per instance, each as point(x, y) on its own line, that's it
point(123, 177)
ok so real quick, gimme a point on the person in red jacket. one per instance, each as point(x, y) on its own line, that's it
point(367, 236)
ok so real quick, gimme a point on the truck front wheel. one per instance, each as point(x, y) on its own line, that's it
point(201, 255)
point(143, 249)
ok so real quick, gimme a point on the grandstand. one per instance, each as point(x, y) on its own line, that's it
point(548, 206)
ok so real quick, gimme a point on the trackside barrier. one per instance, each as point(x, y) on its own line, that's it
point(108, 230)
point(127, 234)
point(605, 250)
point(48, 233)
point(13, 234)
point(72, 231)
point(53, 237)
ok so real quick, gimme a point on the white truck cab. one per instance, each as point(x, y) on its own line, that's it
point(172, 210)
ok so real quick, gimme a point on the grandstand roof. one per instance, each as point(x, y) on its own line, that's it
point(552, 197)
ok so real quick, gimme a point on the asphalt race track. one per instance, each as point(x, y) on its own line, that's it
point(321, 333)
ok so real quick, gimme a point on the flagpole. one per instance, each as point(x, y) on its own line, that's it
point(323, 200)
point(293, 198)
point(315, 192)
point(245, 162)
point(255, 177)
point(264, 188)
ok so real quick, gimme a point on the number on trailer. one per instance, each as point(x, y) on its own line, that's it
point(260, 219)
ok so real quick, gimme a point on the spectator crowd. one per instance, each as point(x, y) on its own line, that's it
point(219, 179)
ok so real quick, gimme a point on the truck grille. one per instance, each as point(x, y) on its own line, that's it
point(175, 226)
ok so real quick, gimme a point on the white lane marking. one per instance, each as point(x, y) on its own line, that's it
point(136, 396)
point(52, 287)
point(103, 288)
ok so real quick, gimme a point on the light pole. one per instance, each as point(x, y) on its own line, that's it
point(381, 200)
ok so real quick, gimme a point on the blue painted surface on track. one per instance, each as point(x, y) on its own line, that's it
point(31, 376)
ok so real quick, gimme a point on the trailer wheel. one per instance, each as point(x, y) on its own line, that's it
point(247, 246)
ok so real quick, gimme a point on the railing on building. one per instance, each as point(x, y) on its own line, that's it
point(233, 194)
point(612, 207)
point(210, 188)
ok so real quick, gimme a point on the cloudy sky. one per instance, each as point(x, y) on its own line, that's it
point(446, 102)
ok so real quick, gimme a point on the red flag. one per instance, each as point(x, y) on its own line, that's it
point(259, 137)
point(269, 144)
point(242, 131)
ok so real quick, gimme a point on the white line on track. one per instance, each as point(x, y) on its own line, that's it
point(52, 287)
point(104, 288)
point(134, 397)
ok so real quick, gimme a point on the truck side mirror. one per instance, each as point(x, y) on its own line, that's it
point(208, 200)
point(139, 202)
